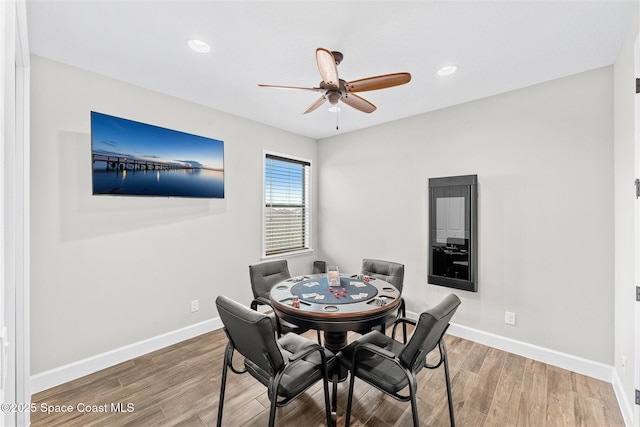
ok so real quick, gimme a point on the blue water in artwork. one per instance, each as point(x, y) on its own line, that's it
point(170, 183)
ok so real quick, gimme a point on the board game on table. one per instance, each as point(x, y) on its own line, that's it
point(317, 290)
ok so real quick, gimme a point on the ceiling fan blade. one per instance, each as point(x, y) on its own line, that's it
point(378, 82)
point(315, 89)
point(316, 104)
point(359, 103)
point(327, 67)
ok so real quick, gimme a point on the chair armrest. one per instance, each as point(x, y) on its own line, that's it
point(263, 301)
point(401, 320)
point(229, 357)
point(306, 352)
point(260, 301)
point(373, 349)
point(402, 308)
point(441, 350)
point(406, 320)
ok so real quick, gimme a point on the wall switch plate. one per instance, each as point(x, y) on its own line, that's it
point(195, 305)
point(509, 318)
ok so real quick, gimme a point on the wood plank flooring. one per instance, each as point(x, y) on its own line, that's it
point(179, 386)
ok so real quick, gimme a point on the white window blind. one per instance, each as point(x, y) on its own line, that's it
point(286, 211)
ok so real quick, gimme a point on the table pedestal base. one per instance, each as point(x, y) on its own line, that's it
point(335, 341)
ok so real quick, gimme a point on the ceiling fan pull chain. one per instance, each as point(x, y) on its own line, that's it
point(337, 112)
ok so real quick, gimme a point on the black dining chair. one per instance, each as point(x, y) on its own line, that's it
point(393, 273)
point(392, 366)
point(287, 366)
point(319, 267)
point(263, 277)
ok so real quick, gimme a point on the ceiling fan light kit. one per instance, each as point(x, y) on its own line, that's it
point(334, 89)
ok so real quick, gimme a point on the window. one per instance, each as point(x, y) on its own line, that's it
point(287, 212)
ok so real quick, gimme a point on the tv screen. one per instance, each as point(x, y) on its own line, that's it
point(136, 159)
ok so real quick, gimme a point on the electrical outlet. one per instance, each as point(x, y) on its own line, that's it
point(195, 305)
point(509, 318)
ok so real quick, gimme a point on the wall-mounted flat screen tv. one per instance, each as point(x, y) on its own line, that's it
point(136, 159)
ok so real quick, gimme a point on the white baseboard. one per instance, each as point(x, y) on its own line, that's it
point(566, 361)
point(75, 370)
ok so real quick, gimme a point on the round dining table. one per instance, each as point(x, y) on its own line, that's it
point(356, 303)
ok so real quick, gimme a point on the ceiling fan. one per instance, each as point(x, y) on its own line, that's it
point(335, 89)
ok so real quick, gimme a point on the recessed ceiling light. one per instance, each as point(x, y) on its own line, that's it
point(447, 70)
point(334, 108)
point(199, 46)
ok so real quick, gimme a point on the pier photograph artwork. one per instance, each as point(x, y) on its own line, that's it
point(131, 158)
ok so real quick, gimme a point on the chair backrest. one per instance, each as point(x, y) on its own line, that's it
point(266, 274)
point(251, 333)
point(319, 267)
point(388, 271)
point(431, 326)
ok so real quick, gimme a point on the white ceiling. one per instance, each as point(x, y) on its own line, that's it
point(498, 46)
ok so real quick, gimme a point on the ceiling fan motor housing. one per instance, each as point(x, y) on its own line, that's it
point(333, 96)
point(334, 89)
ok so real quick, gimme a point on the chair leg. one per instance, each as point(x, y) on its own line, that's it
point(327, 405)
point(403, 310)
point(349, 400)
point(414, 404)
point(448, 381)
point(272, 410)
point(334, 396)
point(227, 360)
point(274, 384)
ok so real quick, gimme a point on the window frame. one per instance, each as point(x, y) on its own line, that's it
point(307, 191)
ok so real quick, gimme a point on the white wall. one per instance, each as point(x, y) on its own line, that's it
point(111, 271)
point(544, 160)
point(625, 256)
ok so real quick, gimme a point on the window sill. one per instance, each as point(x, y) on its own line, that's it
point(288, 254)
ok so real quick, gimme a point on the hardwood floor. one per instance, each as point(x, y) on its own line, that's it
point(179, 386)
